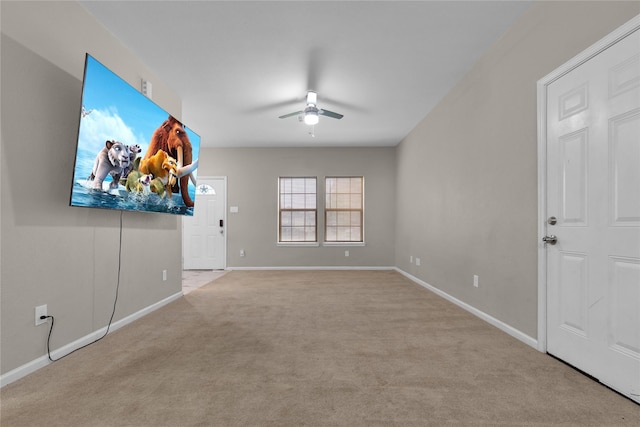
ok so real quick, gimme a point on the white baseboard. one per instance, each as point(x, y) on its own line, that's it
point(310, 268)
point(43, 361)
point(482, 315)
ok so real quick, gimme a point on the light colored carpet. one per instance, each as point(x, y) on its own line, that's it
point(311, 348)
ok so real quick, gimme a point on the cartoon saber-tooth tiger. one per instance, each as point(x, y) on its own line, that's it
point(112, 159)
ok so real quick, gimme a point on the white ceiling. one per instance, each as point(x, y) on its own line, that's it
point(238, 65)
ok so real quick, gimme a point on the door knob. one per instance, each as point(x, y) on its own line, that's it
point(552, 240)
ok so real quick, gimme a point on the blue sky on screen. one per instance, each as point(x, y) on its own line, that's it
point(117, 111)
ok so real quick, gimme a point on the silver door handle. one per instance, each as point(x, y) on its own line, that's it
point(552, 240)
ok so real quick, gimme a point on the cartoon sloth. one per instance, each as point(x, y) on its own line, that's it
point(156, 186)
point(138, 182)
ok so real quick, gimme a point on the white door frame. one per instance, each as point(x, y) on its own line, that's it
point(595, 49)
point(226, 197)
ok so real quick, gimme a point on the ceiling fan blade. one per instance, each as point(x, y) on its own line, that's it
point(290, 115)
point(330, 114)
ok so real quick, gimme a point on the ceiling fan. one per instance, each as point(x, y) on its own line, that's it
point(311, 114)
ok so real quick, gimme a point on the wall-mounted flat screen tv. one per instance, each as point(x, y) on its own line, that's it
point(131, 154)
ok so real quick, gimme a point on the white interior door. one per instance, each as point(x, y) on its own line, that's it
point(593, 190)
point(203, 234)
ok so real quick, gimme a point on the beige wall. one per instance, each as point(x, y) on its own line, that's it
point(252, 180)
point(467, 174)
point(66, 257)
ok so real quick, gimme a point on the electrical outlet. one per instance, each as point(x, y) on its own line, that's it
point(41, 310)
point(476, 280)
point(417, 261)
point(164, 275)
point(410, 259)
point(346, 253)
point(241, 252)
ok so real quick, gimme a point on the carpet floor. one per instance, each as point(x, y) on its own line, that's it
point(311, 348)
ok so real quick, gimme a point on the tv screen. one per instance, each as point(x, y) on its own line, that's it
point(131, 154)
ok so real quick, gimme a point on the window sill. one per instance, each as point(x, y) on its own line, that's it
point(343, 244)
point(298, 244)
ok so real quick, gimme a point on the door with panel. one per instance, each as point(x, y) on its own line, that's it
point(593, 206)
point(203, 234)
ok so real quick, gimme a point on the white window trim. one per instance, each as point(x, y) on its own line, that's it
point(343, 243)
point(298, 244)
point(324, 214)
point(278, 211)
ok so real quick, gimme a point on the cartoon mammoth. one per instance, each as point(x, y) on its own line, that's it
point(173, 139)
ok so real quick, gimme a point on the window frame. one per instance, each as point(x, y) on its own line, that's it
point(350, 210)
point(282, 209)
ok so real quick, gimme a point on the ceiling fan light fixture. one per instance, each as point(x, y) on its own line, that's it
point(311, 114)
point(311, 118)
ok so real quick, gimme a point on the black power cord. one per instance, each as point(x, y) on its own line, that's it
point(113, 312)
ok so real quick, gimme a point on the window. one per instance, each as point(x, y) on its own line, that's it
point(297, 212)
point(344, 209)
point(206, 189)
